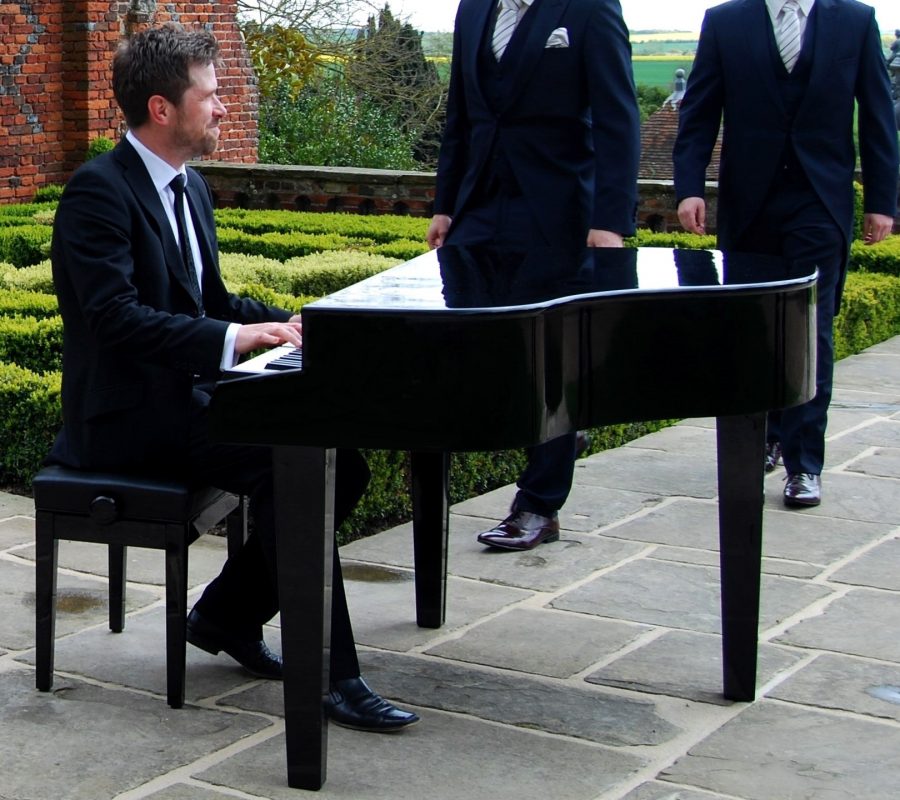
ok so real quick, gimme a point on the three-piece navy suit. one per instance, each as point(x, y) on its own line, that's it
point(788, 159)
point(538, 149)
point(139, 359)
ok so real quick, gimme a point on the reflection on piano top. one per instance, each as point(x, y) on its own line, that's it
point(485, 278)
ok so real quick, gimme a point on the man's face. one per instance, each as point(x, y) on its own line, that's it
point(196, 131)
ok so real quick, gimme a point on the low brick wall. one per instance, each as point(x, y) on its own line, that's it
point(380, 191)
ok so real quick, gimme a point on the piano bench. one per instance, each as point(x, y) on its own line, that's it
point(124, 511)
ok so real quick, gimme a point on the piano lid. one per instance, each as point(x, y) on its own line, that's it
point(486, 278)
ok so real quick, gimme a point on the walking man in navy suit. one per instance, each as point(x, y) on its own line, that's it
point(783, 78)
point(541, 148)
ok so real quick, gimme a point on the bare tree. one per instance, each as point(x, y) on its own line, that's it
point(323, 22)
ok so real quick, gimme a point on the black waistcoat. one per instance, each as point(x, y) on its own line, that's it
point(793, 85)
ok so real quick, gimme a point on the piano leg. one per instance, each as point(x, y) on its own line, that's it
point(431, 525)
point(741, 452)
point(304, 530)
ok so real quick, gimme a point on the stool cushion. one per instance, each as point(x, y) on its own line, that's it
point(62, 490)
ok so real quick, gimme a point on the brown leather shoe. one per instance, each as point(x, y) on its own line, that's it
point(802, 489)
point(522, 530)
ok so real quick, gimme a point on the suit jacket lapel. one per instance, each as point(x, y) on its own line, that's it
point(752, 18)
point(137, 177)
point(548, 14)
point(826, 18)
point(481, 17)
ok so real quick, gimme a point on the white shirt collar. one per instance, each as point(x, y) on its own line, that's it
point(161, 172)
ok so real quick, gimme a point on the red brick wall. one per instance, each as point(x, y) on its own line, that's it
point(55, 92)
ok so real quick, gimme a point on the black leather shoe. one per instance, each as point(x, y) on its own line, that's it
point(773, 455)
point(802, 489)
point(253, 656)
point(352, 704)
point(522, 530)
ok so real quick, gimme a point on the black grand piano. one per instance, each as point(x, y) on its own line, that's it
point(405, 360)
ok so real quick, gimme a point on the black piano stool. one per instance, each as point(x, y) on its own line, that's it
point(123, 511)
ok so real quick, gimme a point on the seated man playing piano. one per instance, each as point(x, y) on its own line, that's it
point(148, 323)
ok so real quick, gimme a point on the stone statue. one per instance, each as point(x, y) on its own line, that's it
point(679, 87)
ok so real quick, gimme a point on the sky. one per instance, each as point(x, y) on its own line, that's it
point(682, 15)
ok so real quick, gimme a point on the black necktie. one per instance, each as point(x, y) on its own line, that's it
point(184, 243)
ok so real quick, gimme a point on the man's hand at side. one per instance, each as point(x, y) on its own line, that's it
point(437, 230)
point(692, 214)
point(598, 238)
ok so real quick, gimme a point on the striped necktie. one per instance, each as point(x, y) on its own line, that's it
point(789, 34)
point(506, 23)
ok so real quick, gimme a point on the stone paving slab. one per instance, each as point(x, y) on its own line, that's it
point(192, 791)
point(16, 531)
point(651, 472)
point(82, 742)
point(680, 596)
point(12, 505)
point(771, 566)
point(384, 613)
point(773, 751)
point(145, 565)
point(685, 664)
point(136, 658)
point(541, 642)
point(839, 628)
point(883, 463)
point(587, 508)
point(446, 757)
point(665, 791)
point(80, 602)
point(848, 496)
point(572, 709)
point(546, 569)
point(878, 568)
point(791, 535)
point(689, 437)
point(872, 368)
point(845, 683)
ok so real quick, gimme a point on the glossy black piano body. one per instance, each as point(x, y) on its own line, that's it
point(480, 349)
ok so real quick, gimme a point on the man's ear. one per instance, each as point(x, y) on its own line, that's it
point(159, 109)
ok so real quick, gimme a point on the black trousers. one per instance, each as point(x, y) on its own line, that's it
point(796, 225)
point(244, 596)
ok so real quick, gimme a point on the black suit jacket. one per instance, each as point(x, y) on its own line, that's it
point(733, 81)
point(134, 344)
point(567, 124)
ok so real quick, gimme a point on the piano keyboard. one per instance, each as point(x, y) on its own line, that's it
point(284, 357)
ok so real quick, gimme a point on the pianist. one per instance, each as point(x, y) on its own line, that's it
point(131, 249)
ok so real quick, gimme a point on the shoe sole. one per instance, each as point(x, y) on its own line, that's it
point(793, 502)
point(394, 729)
point(203, 644)
point(553, 537)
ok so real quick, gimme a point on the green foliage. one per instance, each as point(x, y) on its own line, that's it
point(659, 73)
point(26, 303)
point(375, 228)
point(35, 344)
point(650, 99)
point(857, 211)
point(883, 257)
point(282, 57)
point(36, 278)
point(23, 245)
point(388, 66)
point(870, 312)
point(264, 294)
point(681, 240)
point(98, 145)
point(329, 124)
point(30, 416)
point(49, 193)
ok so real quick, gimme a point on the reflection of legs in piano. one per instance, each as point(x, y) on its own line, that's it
point(235, 605)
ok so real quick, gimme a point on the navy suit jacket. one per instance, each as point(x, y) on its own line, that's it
point(734, 81)
point(567, 124)
point(133, 342)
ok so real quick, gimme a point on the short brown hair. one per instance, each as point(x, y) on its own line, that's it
point(157, 61)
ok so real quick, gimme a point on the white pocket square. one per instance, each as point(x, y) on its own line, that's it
point(559, 38)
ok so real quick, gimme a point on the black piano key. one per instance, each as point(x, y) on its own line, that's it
point(292, 360)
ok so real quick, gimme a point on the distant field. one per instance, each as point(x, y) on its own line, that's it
point(659, 71)
point(665, 36)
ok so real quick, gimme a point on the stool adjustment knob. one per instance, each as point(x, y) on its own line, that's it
point(104, 510)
